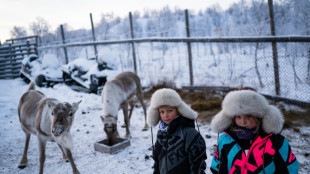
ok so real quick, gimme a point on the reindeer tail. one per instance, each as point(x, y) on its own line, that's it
point(31, 86)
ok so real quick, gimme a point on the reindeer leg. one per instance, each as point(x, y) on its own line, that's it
point(131, 106)
point(42, 146)
point(117, 134)
point(24, 161)
point(126, 119)
point(64, 156)
point(140, 98)
point(69, 155)
point(125, 105)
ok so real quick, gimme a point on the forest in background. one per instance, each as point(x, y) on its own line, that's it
point(246, 18)
point(219, 64)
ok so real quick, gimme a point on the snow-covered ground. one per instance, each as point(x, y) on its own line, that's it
point(88, 129)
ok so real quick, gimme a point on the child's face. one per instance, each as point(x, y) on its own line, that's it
point(167, 113)
point(246, 121)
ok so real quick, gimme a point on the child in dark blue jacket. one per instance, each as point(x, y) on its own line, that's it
point(179, 147)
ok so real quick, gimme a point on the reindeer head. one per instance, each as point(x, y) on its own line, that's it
point(110, 127)
point(63, 115)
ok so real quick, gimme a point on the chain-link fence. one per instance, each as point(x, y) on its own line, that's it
point(215, 63)
point(251, 64)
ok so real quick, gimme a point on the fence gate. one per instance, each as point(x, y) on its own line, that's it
point(12, 53)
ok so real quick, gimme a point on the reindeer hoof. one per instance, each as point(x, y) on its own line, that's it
point(76, 172)
point(22, 166)
point(128, 136)
point(146, 127)
point(65, 158)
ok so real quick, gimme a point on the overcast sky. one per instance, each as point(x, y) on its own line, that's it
point(76, 12)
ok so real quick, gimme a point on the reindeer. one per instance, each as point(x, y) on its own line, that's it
point(117, 94)
point(48, 119)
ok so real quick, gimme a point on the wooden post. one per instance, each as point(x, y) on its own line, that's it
point(189, 50)
point(11, 58)
point(64, 42)
point(93, 33)
point(308, 73)
point(36, 45)
point(274, 49)
point(132, 43)
point(28, 47)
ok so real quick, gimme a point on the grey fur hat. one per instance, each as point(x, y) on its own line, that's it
point(167, 97)
point(248, 102)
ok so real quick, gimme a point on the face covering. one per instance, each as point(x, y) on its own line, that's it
point(163, 126)
point(244, 133)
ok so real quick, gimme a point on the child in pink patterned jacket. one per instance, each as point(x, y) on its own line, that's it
point(251, 140)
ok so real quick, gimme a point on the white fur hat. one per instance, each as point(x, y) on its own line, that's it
point(248, 102)
point(167, 97)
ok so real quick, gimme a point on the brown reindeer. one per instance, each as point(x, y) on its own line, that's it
point(117, 94)
point(48, 119)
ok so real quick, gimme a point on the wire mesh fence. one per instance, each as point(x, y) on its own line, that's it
point(217, 63)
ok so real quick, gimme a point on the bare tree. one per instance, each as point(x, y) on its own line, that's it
point(40, 27)
point(107, 21)
point(18, 31)
point(302, 15)
point(259, 20)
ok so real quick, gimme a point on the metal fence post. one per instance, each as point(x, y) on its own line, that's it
point(64, 41)
point(132, 43)
point(189, 50)
point(274, 49)
point(93, 33)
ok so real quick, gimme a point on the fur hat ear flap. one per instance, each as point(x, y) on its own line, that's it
point(152, 116)
point(273, 121)
point(220, 122)
point(186, 111)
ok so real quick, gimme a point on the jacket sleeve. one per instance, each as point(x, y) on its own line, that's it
point(285, 160)
point(155, 158)
point(219, 161)
point(196, 150)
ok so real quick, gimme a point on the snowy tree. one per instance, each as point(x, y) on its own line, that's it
point(302, 14)
point(259, 23)
point(216, 20)
point(40, 27)
point(107, 22)
point(104, 25)
point(166, 22)
point(245, 18)
point(18, 31)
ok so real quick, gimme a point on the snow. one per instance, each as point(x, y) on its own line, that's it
point(90, 67)
point(88, 129)
point(83, 63)
point(50, 61)
point(47, 65)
